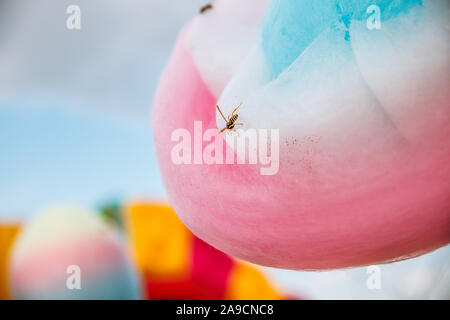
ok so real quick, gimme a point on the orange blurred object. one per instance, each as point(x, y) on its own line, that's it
point(248, 283)
point(8, 232)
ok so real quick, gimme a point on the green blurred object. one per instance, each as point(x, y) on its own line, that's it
point(111, 213)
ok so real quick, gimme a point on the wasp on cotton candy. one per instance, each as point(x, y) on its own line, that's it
point(230, 122)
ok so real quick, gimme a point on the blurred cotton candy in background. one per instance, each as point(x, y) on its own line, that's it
point(67, 252)
point(75, 125)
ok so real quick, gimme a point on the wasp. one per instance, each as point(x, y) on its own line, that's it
point(231, 120)
point(206, 8)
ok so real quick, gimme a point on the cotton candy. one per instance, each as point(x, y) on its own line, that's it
point(363, 115)
point(67, 252)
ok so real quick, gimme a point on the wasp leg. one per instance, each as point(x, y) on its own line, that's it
point(223, 129)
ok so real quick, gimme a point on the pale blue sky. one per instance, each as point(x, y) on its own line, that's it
point(75, 104)
point(54, 153)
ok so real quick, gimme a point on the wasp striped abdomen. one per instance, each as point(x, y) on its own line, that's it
point(231, 121)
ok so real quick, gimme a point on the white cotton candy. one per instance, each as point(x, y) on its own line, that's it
point(321, 94)
point(407, 65)
point(364, 92)
point(221, 38)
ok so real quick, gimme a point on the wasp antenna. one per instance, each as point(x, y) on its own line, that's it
point(221, 114)
point(236, 108)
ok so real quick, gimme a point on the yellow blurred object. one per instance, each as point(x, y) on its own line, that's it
point(8, 233)
point(157, 254)
point(248, 283)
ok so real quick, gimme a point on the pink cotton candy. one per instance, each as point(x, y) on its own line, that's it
point(322, 210)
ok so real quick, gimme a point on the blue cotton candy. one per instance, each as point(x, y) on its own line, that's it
point(357, 9)
point(291, 25)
